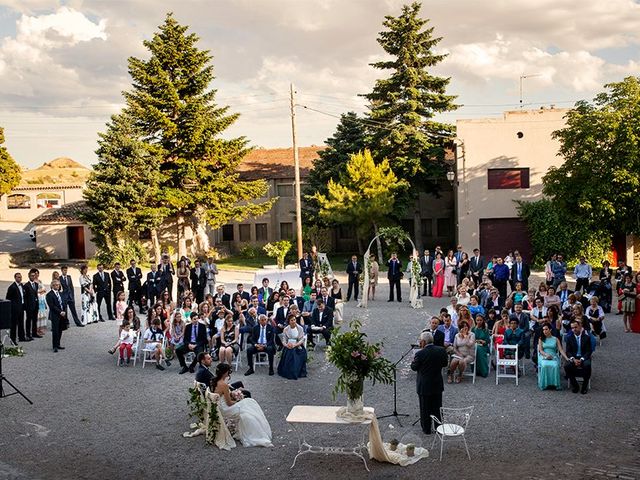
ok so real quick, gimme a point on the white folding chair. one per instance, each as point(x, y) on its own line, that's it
point(147, 353)
point(470, 371)
point(134, 348)
point(261, 359)
point(452, 427)
point(509, 360)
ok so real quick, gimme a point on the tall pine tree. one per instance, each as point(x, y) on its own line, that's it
point(403, 105)
point(9, 169)
point(172, 104)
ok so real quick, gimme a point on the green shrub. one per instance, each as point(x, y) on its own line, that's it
point(248, 250)
point(130, 249)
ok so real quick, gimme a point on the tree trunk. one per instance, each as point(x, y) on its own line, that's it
point(378, 242)
point(201, 239)
point(359, 240)
point(157, 251)
point(182, 242)
point(417, 225)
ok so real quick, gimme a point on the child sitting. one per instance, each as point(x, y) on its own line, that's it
point(153, 337)
point(126, 342)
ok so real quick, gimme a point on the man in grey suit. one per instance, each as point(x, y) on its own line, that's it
point(429, 362)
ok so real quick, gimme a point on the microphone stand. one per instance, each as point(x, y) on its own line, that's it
point(395, 413)
point(4, 379)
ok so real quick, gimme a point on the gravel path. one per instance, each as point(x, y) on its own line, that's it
point(93, 420)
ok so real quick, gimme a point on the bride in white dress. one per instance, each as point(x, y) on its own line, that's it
point(252, 428)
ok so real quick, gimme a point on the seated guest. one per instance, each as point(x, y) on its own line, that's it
point(293, 363)
point(474, 306)
point(452, 310)
point(464, 352)
point(328, 300)
point(260, 307)
point(483, 345)
point(248, 321)
point(273, 303)
point(322, 322)
point(265, 291)
point(578, 349)
point(539, 311)
point(463, 295)
point(525, 324)
point(195, 340)
point(438, 336)
point(229, 340)
point(280, 318)
point(152, 339)
point(295, 299)
point(309, 306)
point(495, 301)
point(552, 299)
point(514, 335)
point(204, 375)
point(449, 332)
point(517, 295)
point(549, 352)
point(177, 332)
point(595, 314)
point(261, 340)
point(491, 318)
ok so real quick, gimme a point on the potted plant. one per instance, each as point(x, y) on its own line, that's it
point(393, 444)
point(411, 450)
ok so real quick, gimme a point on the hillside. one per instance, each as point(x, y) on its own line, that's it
point(60, 170)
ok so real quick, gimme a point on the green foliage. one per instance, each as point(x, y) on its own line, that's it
point(212, 426)
point(124, 252)
point(357, 360)
point(9, 169)
point(196, 404)
point(318, 236)
point(331, 164)
point(551, 231)
point(248, 251)
point(364, 195)
point(394, 237)
point(600, 177)
point(403, 104)
point(278, 250)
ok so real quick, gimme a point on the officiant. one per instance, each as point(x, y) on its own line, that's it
point(204, 375)
point(429, 362)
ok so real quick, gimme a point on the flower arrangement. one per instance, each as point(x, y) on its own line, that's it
point(416, 271)
point(322, 269)
point(13, 352)
point(357, 360)
point(196, 404)
point(212, 426)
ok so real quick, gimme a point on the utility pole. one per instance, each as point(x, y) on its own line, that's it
point(296, 163)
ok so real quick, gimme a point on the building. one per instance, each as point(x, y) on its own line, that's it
point(26, 202)
point(499, 161)
point(62, 234)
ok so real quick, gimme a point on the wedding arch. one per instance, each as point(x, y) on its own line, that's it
point(398, 235)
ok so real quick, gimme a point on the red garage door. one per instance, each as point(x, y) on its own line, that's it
point(499, 236)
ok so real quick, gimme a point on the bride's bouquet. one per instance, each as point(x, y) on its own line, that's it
point(237, 395)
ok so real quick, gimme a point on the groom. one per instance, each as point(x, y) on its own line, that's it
point(204, 375)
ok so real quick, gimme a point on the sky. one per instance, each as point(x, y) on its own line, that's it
point(63, 64)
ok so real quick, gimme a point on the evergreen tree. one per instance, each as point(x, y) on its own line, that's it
point(402, 107)
point(9, 169)
point(349, 138)
point(123, 191)
point(172, 105)
point(364, 195)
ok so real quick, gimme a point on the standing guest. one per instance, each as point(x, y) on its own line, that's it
point(88, 298)
point(31, 289)
point(183, 279)
point(627, 293)
point(438, 275)
point(212, 270)
point(198, 281)
point(293, 363)
point(459, 255)
point(154, 284)
point(549, 352)
point(306, 268)
point(68, 294)
point(450, 272)
point(464, 352)
point(548, 270)
point(195, 340)
point(483, 343)
point(354, 269)
point(117, 282)
point(102, 287)
point(134, 279)
point(559, 269)
point(306, 289)
point(634, 322)
point(501, 274)
point(43, 310)
point(463, 267)
point(429, 362)
point(578, 349)
point(15, 294)
point(373, 279)
point(261, 340)
point(582, 273)
point(605, 290)
point(426, 271)
point(57, 315)
point(520, 272)
point(153, 338)
point(167, 270)
point(476, 266)
point(394, 274)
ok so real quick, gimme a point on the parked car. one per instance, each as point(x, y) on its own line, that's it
point(32, 233)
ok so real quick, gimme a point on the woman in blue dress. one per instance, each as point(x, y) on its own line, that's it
point(549, 352)
point(293, 363)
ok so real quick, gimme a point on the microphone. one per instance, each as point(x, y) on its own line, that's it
point(413, 345)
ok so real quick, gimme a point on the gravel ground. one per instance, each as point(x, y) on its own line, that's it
point(93, 420)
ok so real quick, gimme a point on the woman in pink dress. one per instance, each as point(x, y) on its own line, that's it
point(450, 266)
point(438, 275)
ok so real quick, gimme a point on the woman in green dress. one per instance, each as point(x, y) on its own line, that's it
point(549, 352)
point(483, 340)
point(306, 289)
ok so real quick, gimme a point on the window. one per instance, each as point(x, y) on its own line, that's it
point(261, 232)
point(18, 201)
point(286, 231)
point(505, 178)
point(285, 190)
point(245, 232)
point(48, 200)
point(227, 233)
point(444, 227)
point(427, 227)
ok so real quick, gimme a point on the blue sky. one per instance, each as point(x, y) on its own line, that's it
point(63, 64)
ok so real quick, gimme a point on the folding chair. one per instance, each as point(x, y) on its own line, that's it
point(509, 354)
point(134, 348)
point(147, 353)
point(470, 371)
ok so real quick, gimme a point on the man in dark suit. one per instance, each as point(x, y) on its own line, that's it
point(224, 297)
point(57, 315)
point(204, 375)
point(15, 294)
point(280, 319)
point(167, 271)
point(354, 270)
point(429, 362)
point(134, 277)
point(262, 339)
point(154, 284)
point(296, 299)
point(495, 301)
point(520, 273)
point(327, 299)
point(476, 266)
point(563, 292)
point(306, 267)
point(438, 336)
point(31, 305)
point(244, 295)
point(195, 340)
point(322, 321)
point(102, 287)
point(265, 291)
point(198, 277)
point(117, 282)
point(426, 271)
point(394, 274)
point(68, 294)
point(578, 349)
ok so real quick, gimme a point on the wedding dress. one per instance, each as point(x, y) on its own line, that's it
point(252, 427)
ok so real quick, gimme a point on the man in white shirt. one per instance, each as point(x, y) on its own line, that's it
point(582, 273)
point(452, 310)
point(212, 271)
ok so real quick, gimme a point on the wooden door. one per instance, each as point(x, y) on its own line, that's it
point(499, 236)
point(75, 241)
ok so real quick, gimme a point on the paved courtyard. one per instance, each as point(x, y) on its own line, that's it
point(93, 420)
